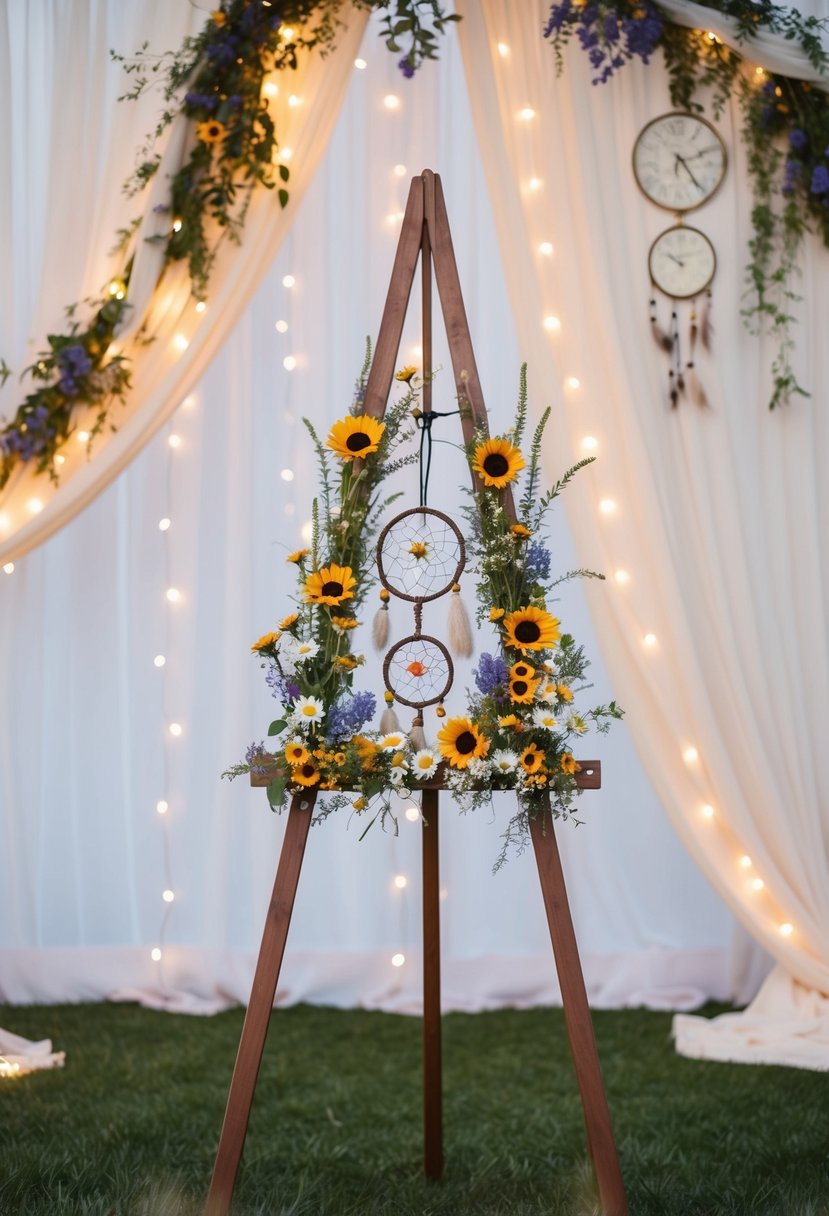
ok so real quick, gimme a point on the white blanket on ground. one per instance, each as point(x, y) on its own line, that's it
point(19, 1056)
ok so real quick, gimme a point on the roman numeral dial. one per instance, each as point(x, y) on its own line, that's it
point(679, 161)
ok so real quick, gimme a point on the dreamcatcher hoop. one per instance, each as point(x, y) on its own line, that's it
point(443, 559)
point(416, 648)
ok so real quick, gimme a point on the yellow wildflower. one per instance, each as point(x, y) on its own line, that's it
point(405, 374)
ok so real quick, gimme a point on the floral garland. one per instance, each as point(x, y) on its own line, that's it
point(216, 80)
point(785, 127)
point(521, 720)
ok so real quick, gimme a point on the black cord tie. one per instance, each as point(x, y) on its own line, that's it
point(424, 421)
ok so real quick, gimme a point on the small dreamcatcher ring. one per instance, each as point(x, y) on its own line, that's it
point(420, 555)
point(419, 664)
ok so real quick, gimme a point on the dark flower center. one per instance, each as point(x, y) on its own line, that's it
point(308, 770)
point(357, 441)
point(531, 759)
point(519, 687)
point(496, 465)
point(465, 742)
point(332, 589)
point(521, 671)
point(527, 631)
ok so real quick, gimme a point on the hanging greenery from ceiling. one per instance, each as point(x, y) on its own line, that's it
point(217, 79)
point(785, 127)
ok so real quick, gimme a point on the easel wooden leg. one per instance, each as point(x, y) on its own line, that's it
point(600, 1143)
point(255, 1029)
point(432, 1081)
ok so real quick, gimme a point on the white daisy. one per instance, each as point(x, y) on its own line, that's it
point(504, 761)
point(308, 709)
point(392, 742)
point(478, 769)
point(577, 724)
point(545, 718)
point(424, 763)
point(397, 773)
point(295, 650)
point(550, 664)
point(546, 692)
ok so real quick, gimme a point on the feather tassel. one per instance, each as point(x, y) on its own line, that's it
point(662, 340)
point(698, 394)
point(380, 628)
point(459, 629)
point(706, 328)
point(389, 723)
point(416, 735)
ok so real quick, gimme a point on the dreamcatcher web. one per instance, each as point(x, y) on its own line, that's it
point(420, 555)
point(418, 671)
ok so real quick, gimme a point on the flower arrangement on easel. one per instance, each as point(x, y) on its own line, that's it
point(522, 717)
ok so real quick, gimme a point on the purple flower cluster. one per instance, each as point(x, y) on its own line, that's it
point(798, 140)
point(283, 690)
point(406, 67)
point(791, 174)
point(537, 562)
point(820, 180)
point(32, 441)
point(350, 714)
point(74, 363)
point(252, 754)
point(490, 674)
point(609, 42)
point(202, 101)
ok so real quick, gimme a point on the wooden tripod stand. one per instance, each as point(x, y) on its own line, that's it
point(425, 235)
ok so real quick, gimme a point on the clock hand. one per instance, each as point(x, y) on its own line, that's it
point(678, 261)
point(703, 152)
point(684, 164)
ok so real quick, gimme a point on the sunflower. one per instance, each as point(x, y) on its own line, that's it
point(521, 671)
point(405, 374)
point(460, 741)
point(265, 642)
point(305, 774)
point(211, 132)
point(520, 531)
point(510, 720)
point(531, 628)
point(497, 462)
point(330, 585)
point(296, 754)
point(289, 621)
point(358, 436)
point(569, 764)
point(522, 692)
point(298, 556)
point(342, 624)
point(532, 758)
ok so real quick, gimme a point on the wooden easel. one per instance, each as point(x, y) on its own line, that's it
point(425, 234)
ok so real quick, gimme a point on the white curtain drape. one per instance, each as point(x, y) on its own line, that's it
point(712, 521)
point(85, 749)
point(66, 151)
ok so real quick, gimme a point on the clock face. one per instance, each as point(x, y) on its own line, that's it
point(682, 262)
point(679, 161)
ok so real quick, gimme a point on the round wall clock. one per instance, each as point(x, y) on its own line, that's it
point(679, 161)
point(682, 262)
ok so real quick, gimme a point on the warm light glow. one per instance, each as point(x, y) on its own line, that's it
point(8, 1069)
point(174, 441)
point(552, 324)
point(707, 811)
point(281, 327)
point(286, 33)
point(307, 531)
point(607, 506)
point(289, 363)
point(82, 436)
point(360, 64)
point(8, 568)
point(272, 89)
point(286, 153)
point(173, 595)
point(288, 280)
point(5, 522)
point(589, 443)
point(168, 896)
point(757, 884)
point(745, 862)
point(162, 807)
point(164, 524)
point(690, 755)
point(188, 402)
point(503, 49)
point(527, 113)
point(200, 306)
point(175, 729)
point(417, 352)
point(534, 184)
point(155, 954)
point(546, 248)
point(181, 342)
point(34, 505)
point(397, 960)
point(759, 72)
point(399, 170)
point(394, 217)
point(400, 881)
point(649, 641)
point(60, 459)
point(573, 382)
point(786, 930)
point(391, 101)
point(159, 660)
point(294, 102)
point(412, 814)
point(287, 474)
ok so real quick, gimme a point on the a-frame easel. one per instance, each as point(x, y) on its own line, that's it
point(425, 235)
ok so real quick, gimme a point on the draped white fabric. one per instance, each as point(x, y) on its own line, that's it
point(85, 752)
point(715, 633)
point(66, 205)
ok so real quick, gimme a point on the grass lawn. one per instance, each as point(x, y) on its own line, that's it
point(129, 1127)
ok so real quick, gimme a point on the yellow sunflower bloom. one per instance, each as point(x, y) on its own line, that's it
point(522, 692)
point(266, 640)
point(520, 531)
point(569, 764)
point(531, 628)
point(289, 621)
point(532, 758)
point(330, 585)
point(495, 614)
point(510, 720)
point(343, 623)
point(405, 374)
point(460, 741)
point(296, 754)
point(211, 132)
point(521, 671)
point(358, 436)
point(565, 693)
point(298, 556)
point(305, 774)
point(497, 462)
point(346, 661)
